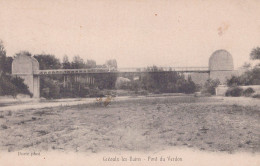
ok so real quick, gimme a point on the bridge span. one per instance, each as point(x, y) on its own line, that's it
point(121, 70)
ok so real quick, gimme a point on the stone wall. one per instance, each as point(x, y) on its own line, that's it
point(221, 90)
point(222, 76)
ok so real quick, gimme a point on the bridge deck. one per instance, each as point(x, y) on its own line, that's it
point(122, 70)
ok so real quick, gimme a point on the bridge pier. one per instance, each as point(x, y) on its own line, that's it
point(221, 66)
point(24, 66)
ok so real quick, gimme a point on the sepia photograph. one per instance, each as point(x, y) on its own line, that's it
point(129, 82)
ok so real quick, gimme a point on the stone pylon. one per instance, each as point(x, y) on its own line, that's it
point(25, 66)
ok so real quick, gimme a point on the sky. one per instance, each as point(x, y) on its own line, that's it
point(137, 33)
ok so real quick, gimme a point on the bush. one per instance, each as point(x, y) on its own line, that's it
point(21, 87)
point(251, 77)
point(12, 86)
point(49, 88)
point(234, 91)
point(185, 86)
point(133, 85)
point(106, 81)
point(256, 96)
point(210, 86)
point(7, 87)
point(79, 90)
point(158, 81)
point(122, 83)
point(235, 81)
point(248, 92)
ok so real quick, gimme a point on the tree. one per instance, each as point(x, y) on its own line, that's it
point(65, 62)
point(252, 74)
point(9, 85)
point(159, 81)
point(6, 86)
point(77, 63)
point(210, 85)
point(48, 61)
point(246, 66)
point(12, 86)
point(255, 54)
point(8, 65)
point(23, 53)
point(2, 57)
point(112, 63)
point(106, 81)
point(234, 81)
point(190, 86)
point(49, 88)
point(19, 84)
point(250, 77)
point(91, 63)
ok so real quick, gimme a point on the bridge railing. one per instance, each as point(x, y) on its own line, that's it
point(179, 69)
point(186, 69)
point(111, 70)
point(72, 71)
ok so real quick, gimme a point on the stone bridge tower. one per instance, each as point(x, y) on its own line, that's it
point(221, 65)
point(25, 67)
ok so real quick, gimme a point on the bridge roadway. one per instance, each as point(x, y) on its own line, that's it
point(122, 70)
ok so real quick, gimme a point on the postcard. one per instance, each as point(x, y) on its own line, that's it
point(129, 82)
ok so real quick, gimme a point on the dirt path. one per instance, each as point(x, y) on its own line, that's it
point(38, 104)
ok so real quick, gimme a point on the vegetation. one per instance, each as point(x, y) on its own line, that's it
point(250, 77)
point(248, 92)
point(255, 54)
point(234, 91)
point(49, 88)
point(9, 85)
point(47, 61)
point(237, 91)
point(210, 86)
point(77, 63)
point(112, 63)
point(12, 86)
point(158, 81)
point(256, 96)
